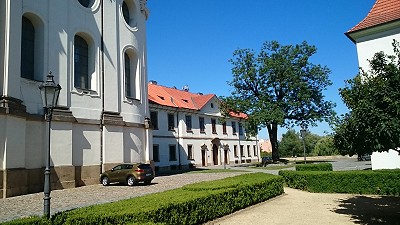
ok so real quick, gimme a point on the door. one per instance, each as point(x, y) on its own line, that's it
point(203, 157)
point(215, 154)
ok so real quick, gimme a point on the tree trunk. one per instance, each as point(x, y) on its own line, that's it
point(273, 137)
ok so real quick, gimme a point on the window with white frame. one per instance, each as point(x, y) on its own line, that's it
point(156, 153)
point(188, 119)
point(171, 121)
point(190, 152)
point(81, 63)
point(154, 119)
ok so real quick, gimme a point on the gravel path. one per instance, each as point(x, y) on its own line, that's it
point(61, 200)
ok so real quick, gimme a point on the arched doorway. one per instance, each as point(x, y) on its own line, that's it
point(215, 154)
point(215, 149)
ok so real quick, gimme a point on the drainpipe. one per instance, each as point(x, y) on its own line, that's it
point(102, 88)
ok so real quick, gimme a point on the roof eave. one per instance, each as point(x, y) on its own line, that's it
point(356, 34)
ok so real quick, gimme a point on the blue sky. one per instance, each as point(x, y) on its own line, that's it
point(190, 42)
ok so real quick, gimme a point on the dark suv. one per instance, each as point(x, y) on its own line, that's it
point(130, 174)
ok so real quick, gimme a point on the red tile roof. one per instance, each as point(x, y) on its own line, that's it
point(172, 97)
point(177, 98)
point(383, 11)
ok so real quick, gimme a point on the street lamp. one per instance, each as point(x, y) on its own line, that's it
point(226, 148)
point(303, 131)
point(49, 92)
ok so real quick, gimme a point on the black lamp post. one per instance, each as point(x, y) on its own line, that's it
point(303, 131)
point(49, 92)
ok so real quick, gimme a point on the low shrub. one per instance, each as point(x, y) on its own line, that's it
point(205, 201)
point(355, 182)
point(314, 167)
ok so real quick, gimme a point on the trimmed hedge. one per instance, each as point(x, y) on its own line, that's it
point(205, 201)
point(314, 167)
point(356, 182)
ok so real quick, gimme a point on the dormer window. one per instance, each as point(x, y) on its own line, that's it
point(185, 100)
point(161, 97)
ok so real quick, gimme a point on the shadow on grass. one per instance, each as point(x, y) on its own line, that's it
point(368, 210)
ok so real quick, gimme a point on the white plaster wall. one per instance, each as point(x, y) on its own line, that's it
point(369, 45)
point(86, 145)
point(385, 160)
point(35, 144)
point(134, 145)
point(15, 142)
point(113, 144)
point(61, 143)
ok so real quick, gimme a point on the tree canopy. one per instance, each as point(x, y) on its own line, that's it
point(373, 98)
point(279, 86)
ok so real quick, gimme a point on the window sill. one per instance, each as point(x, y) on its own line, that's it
point(202, 132)
point(86, 92)
point(131, 100)
point(189, 131)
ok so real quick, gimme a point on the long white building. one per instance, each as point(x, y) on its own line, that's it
point(96, 51)
point(189, 130)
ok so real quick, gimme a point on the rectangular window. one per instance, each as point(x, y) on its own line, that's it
point(188, 123)
point(233, 127)
point(190, 151)
point(240, 129)
point(255, 150)
point(154, 120)
point(214, 126)
point(235, 150)
point(172, 153)
point(171, 122)
point(156, 153)
point(224, 127)
point(202, 126)
point(248, 151)
point(242, 150)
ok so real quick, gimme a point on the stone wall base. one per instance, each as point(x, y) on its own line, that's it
point(14, 182)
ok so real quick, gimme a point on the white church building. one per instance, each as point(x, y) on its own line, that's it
point(373, 34)
point(96, 51)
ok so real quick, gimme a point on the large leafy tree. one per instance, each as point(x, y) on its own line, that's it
point(373, 98)
point(279, 86)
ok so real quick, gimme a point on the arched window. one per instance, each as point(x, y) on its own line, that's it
point(86, 3)
point(128, 87)
point(131, 70)
point(27, 49)
point(81, 63)
point(125, 12)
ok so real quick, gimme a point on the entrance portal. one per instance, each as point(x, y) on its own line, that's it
point(215, 154)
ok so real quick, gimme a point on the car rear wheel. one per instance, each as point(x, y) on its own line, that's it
point(105, 181)
point(131, 181)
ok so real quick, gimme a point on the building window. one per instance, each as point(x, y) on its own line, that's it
point(188, 123)
point(233, 127)
point(255, 150)
point(190, 152)
point(172, 153)
point(240, 129)
point(154, 120)
point(242, 151)
point(156, 153)
point(128, 88)
point(202, 125)
point(212, 105)
point(27, 49)
point(214, 126)
point(171, 122)
point(235, 151)
point(248, 151)
point(86, 3)
point(81, 63)
point(125, 12)
point(224, 127)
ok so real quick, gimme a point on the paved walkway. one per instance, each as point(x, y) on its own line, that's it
point(303, 208)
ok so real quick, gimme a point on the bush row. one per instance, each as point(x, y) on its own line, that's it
point(314, 167)
point(191, 204)
point(355, 182)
